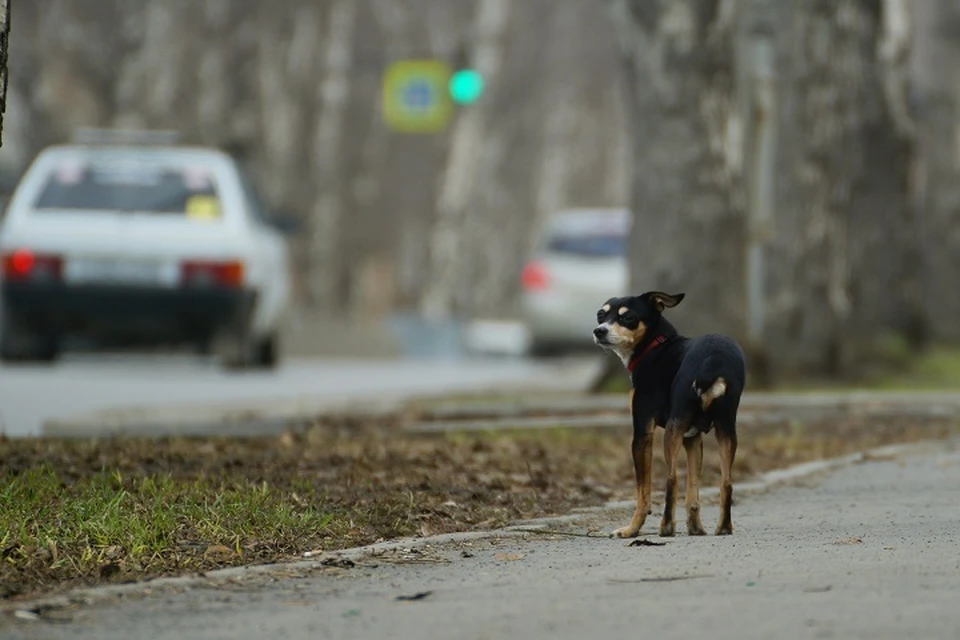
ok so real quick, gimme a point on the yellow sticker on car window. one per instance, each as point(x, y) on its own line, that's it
point(203, 208)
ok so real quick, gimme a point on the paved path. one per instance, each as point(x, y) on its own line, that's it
point(869, 551)
point(76, 392)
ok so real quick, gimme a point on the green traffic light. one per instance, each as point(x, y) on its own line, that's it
point(466, 85)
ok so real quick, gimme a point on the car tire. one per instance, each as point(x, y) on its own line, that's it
point(245, 353)
point(267, 352)
point(17, 344)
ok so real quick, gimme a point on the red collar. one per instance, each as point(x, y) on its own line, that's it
point(635, 360)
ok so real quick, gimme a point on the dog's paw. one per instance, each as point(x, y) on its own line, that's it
point(667, 529)
point(628, 531)
point(695, 529)
point(724, 530)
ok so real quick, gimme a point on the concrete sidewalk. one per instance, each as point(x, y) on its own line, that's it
point(867, 551)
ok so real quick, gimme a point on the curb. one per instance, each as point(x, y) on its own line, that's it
point(273, 417)
point(268, 417)
point(86, 596)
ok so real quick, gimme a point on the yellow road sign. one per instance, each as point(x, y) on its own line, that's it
point(416, 98)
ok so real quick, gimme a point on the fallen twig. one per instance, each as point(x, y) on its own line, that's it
point(658, 579)
point(550, 532)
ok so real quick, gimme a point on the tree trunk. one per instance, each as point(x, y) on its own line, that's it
point(686, 196)
point(854, 169)
point(558, 122)
point(456, 190)
point(4, 44)
point(334, 95)
point(936, 97)
point(843, 263)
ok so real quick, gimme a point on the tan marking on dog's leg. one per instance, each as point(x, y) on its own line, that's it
point(694, 449)
point(728, 451)
point(672, 440)
point(642, 450)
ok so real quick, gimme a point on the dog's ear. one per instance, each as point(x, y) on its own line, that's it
point(663, 300)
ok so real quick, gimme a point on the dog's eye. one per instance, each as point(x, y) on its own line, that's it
point(627, 318)
point(600, 315)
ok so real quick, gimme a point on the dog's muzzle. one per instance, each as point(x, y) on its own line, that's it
point(600, 334)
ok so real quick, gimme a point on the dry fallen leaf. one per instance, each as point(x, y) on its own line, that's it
point(219, 551)
point(850, 540)
point(646, 543)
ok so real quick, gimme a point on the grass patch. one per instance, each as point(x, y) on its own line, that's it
point(85, 512)
point(94, 525)
point(935, 369)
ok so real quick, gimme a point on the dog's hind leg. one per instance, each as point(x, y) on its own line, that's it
point(672, 439)
point(727, 442)
point(694, 449)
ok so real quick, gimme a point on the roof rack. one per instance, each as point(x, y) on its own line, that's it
point(92, 136)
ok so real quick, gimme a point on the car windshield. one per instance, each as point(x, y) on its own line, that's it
point(130, 183)
point(591, 246)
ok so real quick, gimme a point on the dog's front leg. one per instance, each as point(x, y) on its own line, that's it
point(672, 439)
point(642, 450)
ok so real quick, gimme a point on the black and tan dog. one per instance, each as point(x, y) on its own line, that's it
point(686, 385)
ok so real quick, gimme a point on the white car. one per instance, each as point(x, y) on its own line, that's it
point(129, 239)
point(578, 261)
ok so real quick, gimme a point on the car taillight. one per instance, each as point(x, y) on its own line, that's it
point(217, 274)
point(534, 277)
point(23, 264)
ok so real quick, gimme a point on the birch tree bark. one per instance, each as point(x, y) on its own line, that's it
point(557, 125)
point(446, 241)
point(937, 98)
point(4, 45)
point(854, 172)
point(845, 265)
point(686, 191)
point(334, 95)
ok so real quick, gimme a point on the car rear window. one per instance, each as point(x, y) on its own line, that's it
point(130, 184)
point(590, 246)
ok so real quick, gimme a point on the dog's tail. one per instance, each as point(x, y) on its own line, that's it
point(708, 390)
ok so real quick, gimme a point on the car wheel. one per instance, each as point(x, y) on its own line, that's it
point(267, 352)
point(250, 353)
point(17, 344)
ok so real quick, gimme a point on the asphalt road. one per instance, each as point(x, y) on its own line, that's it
point(30, 396)
point(869, 551)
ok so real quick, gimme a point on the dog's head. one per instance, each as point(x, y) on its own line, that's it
point(623, 322)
